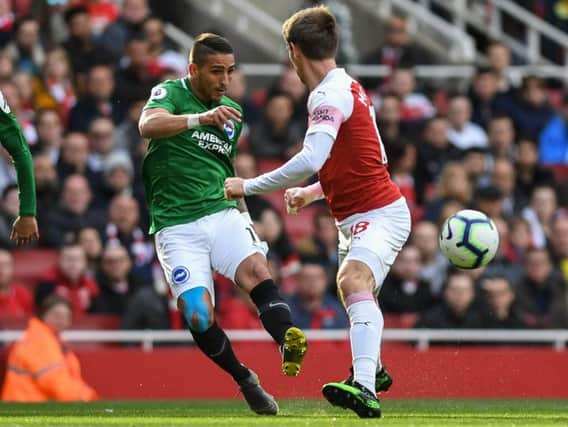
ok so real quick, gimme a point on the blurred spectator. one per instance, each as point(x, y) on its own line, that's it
point(434, 264)
point(401, 169)
point(49, 134)
point(127, 135)
point(553, 143)
point(477, 164)
point(129, 24)
point(529, 173)
point(102, 142)
point(47, 185)
point(403, 290)
point(457, 310)
point(7, 22)
point(275, 135)
point(26, 49)
point(54, 89)
point(502, 265)
point(322, 245)
point(394, 133)
point(312, 306)
point(73, 158)
point(99, 101)
point(136, 77)
point(90, 240)
point(117, 179)
point(23, 82)
point(69, 280)
point(60, 224)
point(504, 178)
point(499, 58)
point(6, 63)
point(541, 292)
point(453, 185)
point(114, 280)
point(501, 311)
point(489, 200)
point(463, 133)
point(559, 240)
point(40, 366)
point(164, 55)
point(9, 210)
point(539, 213)
point(397, 50)
point(433, 153)
point(123, 228)
point(520, 239)
point(485, 99)
point(237, 91)
point(532, 110)
point(290, 84)
point(415, 106)
point(270, 228)
point(81, 45)
point(15, 299)
point(501, 134)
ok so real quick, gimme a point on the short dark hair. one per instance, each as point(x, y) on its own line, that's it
point(206, 44)
point(49, 302)
point(314, 30)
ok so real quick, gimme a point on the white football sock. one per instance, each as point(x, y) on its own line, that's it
point(366, 330)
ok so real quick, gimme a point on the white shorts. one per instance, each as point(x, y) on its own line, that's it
point(375, 238)
point(189, 252)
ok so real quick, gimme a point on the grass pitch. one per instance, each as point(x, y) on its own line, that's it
point(292, 414)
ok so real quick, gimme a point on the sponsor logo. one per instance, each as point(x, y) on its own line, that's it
point(158, 93)
point(229, 130)
point(3, 104)
point(359, 228)
point(322, 115)
point(180, 275)
point(211, 142)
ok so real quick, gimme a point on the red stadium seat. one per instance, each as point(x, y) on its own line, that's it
point(400, 321)
point(30, 265)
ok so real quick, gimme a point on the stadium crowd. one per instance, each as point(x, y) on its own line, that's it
point(77, 77)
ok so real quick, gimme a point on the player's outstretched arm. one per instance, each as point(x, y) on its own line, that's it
point(160, 123)
point(299, 197)
point(316, 150)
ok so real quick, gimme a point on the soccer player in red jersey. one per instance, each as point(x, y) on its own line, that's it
point(343, 145)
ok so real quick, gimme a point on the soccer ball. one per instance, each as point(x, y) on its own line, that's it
point(469, 239)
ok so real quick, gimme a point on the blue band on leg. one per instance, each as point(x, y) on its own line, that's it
point(195, 309)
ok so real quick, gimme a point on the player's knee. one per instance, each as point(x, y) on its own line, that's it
point(197, 309)
point(354, 277)
point(252, 271)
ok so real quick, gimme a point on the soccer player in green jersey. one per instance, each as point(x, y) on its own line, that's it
point(193, 130)
point(25, 228)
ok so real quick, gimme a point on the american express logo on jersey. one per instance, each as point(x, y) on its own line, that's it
point(210, 141)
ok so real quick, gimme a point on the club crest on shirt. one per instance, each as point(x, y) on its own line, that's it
point(230, 131)
point(180, 275)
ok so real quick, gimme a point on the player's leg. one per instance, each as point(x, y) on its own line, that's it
point(183, 252)
point(241, 258)
point(376, 240)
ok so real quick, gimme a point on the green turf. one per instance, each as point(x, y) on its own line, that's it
point(292, 413)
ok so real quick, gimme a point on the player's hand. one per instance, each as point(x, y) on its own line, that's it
point(24, 230)
point(234, 188)
point(296, 198)
point(220, 116)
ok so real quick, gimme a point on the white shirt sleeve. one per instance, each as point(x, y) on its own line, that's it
point(316, 150)
point(328, 109)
